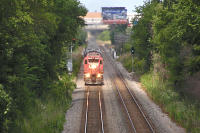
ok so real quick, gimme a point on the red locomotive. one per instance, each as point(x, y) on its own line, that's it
point(93, 66)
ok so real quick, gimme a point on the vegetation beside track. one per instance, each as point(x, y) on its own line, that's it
point(180, 106)
point(48, 113)
point(77, 59)
point(104, 36)
point(35, 89)
point(126, 61)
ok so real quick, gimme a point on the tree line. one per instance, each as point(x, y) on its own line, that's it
point(168, 32)
point(167, 56)
point(34, 36)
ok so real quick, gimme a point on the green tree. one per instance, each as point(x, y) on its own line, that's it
point(176, 32)
point(33, 39)
point(142, 34)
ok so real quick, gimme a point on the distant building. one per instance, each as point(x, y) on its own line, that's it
point(130, 17)
point(93, 18)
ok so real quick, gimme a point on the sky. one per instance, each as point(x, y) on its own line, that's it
point(95, 5)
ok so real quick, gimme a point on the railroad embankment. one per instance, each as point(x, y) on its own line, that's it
point(182, 107)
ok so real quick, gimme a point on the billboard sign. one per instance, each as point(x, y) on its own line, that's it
point(114, 15)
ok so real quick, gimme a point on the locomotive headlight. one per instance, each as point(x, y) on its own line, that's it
point(87, 75)
point(98, 75)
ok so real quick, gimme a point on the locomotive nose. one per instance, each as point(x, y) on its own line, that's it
point(93, 66)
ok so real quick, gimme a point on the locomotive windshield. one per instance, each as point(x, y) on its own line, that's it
point(93, 60)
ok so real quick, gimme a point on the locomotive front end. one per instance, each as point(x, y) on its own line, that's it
point(93, 68)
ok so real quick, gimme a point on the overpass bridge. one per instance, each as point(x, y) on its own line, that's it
point(96, 27)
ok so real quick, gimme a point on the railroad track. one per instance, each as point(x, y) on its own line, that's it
point(93, 114)
point(139, 122)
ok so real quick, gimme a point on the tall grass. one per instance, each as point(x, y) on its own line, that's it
point(48, 113)
point(138, 65)
point(48, 118)
point(77, 59)
point(183, 110)
point(104, 36)
point(126, 60)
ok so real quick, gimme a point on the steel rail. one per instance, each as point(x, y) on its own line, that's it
point(100, 108)
point(134, 99)
point(132, 125)
point(86, 113)
point(138, 106)
point(102, 127)
point(127, 112)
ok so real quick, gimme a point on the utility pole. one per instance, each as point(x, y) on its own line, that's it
point(70, 59)
point(132, 53)
point(71, 54)
point(132, 63)
point(72, 43)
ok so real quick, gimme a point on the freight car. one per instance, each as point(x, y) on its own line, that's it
point(93, 66)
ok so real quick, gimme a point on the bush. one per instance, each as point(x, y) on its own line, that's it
point(48, 113)
point(126, 61)
point(5, 107)
point(77, 59)
point(139, 65)
point(104, 36)
point(127, 47)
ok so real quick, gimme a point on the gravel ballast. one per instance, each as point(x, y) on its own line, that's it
point(116, 120)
